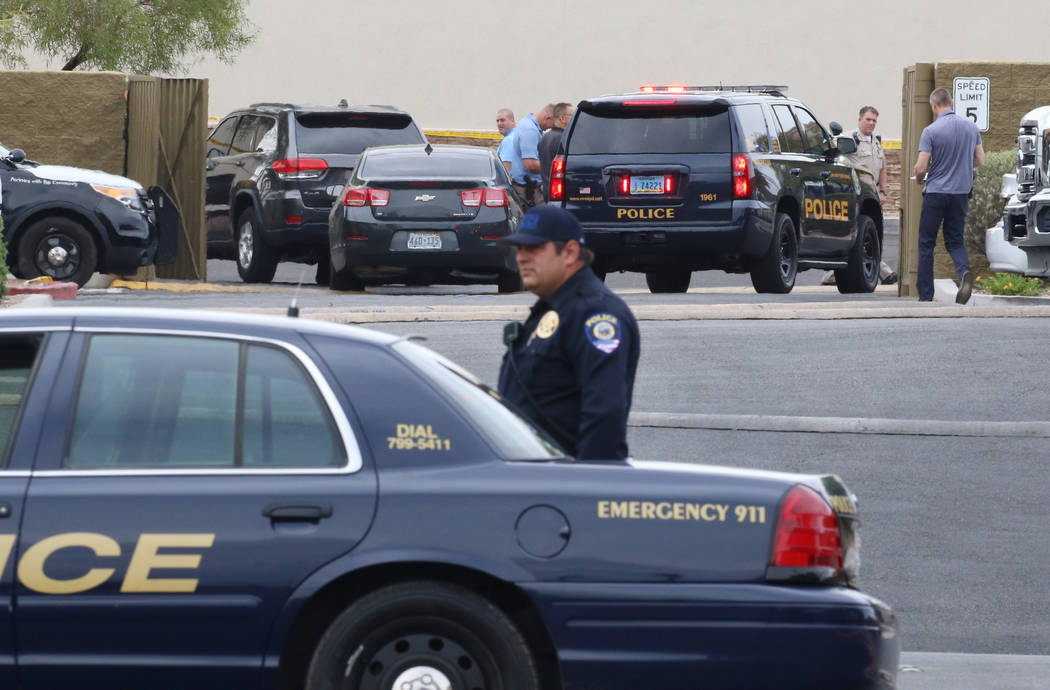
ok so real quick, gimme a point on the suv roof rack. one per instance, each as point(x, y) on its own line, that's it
point(770, 89)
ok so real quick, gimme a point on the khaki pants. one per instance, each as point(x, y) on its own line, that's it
point(535, 199)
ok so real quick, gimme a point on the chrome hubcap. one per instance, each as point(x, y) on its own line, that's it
point(57, 256)
point(245, 245)
point(421, 678)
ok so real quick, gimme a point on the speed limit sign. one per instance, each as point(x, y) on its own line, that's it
point(971, 99)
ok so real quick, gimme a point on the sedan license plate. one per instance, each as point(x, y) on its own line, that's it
point(647, 184)
point(424, 240)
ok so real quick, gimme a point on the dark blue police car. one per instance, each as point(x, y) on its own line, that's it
point(200, 500)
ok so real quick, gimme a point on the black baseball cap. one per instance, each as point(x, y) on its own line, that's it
point(546, 224)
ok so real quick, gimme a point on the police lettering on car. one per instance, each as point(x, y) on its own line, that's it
point(571, 367)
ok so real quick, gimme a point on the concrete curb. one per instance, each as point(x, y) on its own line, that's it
point(840, 425)
point(56, 289)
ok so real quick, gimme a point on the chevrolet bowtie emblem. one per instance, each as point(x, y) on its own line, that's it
point(425, 197)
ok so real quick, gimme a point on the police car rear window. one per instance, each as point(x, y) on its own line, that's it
point(352, 133)
point(659, 132)
point(416, 164)
point(513, 436)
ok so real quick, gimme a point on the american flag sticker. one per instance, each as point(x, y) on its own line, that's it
point(585, 190)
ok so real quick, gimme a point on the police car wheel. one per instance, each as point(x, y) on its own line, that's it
point(422, 636)
point(58, 247)
point(509, 282)
point(256, 262)
point(668, 281)
point(775, 271)
point(862, 272)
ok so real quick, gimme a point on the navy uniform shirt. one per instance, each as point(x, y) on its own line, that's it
point(576, 355)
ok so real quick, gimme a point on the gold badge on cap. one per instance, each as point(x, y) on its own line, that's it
point(547, 325)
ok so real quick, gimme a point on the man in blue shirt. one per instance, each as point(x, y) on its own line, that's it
point(505, 124)
point(949, 150)
point(525, 155)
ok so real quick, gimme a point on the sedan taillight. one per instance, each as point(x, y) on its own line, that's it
point(496, 197)
point(807, 532)
point(364, 196)
point(471, 197)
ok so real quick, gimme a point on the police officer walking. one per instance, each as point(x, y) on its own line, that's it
point(570, 368)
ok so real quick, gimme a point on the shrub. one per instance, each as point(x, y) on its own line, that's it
point(1011, 284)
point(986, 208)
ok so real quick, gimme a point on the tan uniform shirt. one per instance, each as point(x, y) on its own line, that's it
point(869, 155)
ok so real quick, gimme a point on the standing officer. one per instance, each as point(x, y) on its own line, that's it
point(870, 157)
point(570, 368)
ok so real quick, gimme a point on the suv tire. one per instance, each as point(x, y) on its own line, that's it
point(324, 270)
point(256, 263)
point(775, 272)
point(345, 280)
point(862, 273)
point(668, 280)
point(58, 247)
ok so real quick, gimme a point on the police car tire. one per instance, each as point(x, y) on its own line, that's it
point(66, 233)
point(509, 282)
point(775, 271)
point(862, 273)
point(261, 264)
point(424, 624)
point(668, 281)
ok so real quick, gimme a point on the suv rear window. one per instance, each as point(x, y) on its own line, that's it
point(417, 164)
point(629, 132)
point(352, 132)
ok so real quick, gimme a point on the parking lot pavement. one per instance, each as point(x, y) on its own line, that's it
point(946, 671)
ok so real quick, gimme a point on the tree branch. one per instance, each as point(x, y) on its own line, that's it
point(77, 59)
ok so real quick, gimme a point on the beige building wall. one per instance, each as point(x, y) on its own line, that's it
point(452, 65)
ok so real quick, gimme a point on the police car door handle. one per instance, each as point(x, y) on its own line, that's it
point(5, 510)
point(795, 171)
point(297, 511)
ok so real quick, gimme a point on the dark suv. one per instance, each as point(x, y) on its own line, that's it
point(670, 180)
point(275, 169)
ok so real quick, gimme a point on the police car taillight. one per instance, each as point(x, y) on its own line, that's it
point(807, 533)
point(299, 168)
point(557, 190)
point(363, 196)
point(743, 177)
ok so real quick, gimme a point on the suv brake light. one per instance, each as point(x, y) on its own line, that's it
point(653, 101)
point(557, 190)
point(364, 196)
point(743, 177)
point(807, 532)
point(299, 168)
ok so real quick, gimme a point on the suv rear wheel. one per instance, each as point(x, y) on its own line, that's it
point(256, 263)
point(775, 272)
point(668, 281)
point(862, 272)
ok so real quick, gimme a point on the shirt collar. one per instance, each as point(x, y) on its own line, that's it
point(570, 287)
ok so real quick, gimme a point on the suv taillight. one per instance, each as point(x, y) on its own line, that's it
point(363, 196)
point(807, 532)
point(557, 190)
point(299, 168)
point(743, 177)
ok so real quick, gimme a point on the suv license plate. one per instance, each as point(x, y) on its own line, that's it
point(647, 184)
point(424, 240)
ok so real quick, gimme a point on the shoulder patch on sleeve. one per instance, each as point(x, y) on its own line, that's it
point(603, 331)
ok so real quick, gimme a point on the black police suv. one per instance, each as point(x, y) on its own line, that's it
point(275, 169)
point(670, 180)
point(425, 214)
point(68, 223)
